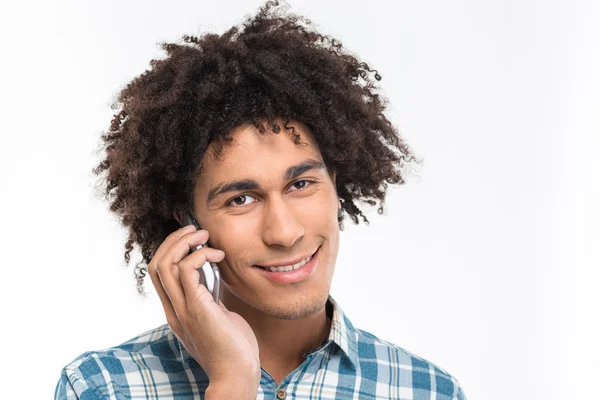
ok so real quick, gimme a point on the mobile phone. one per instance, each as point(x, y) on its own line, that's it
point(209, 274)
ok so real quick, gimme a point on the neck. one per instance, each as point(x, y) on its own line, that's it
point(281, 342)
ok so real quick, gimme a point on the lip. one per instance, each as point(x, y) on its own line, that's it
point(286, 262)
point(293, 276)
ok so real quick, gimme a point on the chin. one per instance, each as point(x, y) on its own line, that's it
point(297, 306)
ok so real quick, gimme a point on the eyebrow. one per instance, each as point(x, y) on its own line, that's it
point(250, 184)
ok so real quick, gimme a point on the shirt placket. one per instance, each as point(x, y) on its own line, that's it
point(279, 392)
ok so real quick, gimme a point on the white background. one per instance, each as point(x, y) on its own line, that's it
point(486, 262)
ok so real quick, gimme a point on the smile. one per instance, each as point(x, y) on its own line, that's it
point(286, 268)
point(291, 273)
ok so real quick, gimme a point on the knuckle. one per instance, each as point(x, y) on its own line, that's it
point(179, 266)
point(188, 263)
point(202, 234)
point(176, 234)
point(204, 295)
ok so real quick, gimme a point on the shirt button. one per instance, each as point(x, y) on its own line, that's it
point(281, 394)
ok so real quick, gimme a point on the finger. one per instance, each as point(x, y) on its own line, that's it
point(164, 248)
point(169, 271)
point(164, 298)
point(190, 270)
point(180, 250)
point(152, 271)
point(171, 239)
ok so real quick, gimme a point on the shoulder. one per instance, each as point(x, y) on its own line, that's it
point(153, 343)
point(406, 368)
point(112, 372)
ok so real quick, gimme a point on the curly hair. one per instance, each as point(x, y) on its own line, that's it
point(273, 66)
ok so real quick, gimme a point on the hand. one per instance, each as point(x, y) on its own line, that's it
point(220, 341)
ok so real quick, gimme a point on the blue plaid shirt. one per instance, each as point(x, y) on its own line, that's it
point(350, 364)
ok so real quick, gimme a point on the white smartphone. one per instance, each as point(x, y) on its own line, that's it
point(209, 274)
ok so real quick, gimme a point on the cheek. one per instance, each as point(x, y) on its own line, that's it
point(320, 221)
point(323, 211)
point(236, 237)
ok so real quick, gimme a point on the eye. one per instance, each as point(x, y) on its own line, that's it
point(301, 184)
point(240, 200)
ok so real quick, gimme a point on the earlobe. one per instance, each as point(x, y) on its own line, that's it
point(177, 216)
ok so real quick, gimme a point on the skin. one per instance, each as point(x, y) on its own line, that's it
point(281, 219)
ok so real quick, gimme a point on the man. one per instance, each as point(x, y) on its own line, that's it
point(265, 136)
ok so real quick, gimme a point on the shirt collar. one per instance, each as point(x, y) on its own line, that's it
point(342, 334)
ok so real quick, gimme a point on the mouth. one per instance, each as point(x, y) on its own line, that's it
point(293, 272)
point(290, 266)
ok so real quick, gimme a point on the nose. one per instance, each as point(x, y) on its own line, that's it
point(281, 226)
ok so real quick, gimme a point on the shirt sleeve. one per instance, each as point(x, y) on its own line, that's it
point(460, 395)
point(64, 389)
point(70, 387)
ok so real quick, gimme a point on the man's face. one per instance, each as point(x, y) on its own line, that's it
point(267, 201)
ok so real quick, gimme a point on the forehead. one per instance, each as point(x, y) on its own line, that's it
point(256, 155)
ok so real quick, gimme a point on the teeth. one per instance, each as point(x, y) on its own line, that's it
point(287, 268)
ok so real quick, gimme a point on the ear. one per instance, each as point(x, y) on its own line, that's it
point(176, 215)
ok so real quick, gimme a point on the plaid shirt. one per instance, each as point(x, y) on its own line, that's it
point(350, 364)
